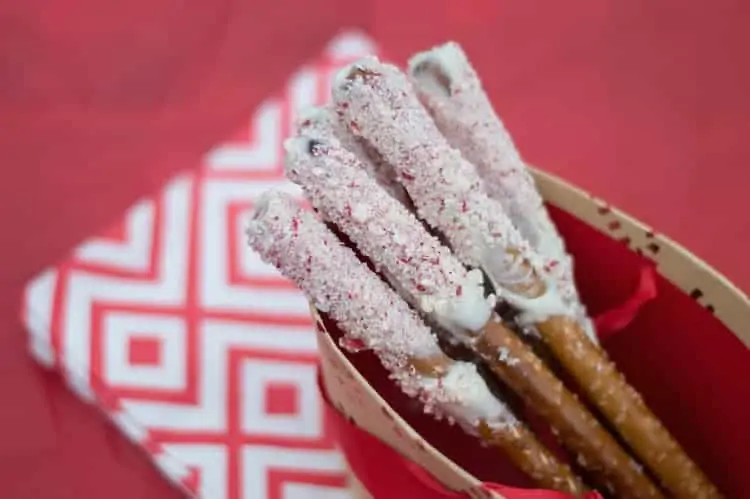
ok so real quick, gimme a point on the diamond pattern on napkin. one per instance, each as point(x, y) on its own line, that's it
point(197, 350)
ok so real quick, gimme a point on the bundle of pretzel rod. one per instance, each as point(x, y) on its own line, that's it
point(419, 174)
point(340, 285)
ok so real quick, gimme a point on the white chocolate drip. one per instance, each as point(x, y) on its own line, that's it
point(467, 401)
point(539, 309)
point(468, 312)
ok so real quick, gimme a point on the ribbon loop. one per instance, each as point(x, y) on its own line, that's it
point(618, 318)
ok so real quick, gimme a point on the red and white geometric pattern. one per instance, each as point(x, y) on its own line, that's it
point(196, 349)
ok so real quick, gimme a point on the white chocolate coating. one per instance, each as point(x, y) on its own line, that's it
point(463, 396)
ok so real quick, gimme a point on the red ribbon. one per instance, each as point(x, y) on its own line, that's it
point(618, 318)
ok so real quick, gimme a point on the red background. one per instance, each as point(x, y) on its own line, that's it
point(642, 102)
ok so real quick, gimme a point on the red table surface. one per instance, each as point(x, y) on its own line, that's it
point(643, 103)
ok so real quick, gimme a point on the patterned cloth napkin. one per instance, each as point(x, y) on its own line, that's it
point(198, 351)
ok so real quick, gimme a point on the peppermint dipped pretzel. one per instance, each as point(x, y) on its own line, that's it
point(428, 275)
point(449, 195)
point(451, 90)
point(379, 103)
point(366, 309)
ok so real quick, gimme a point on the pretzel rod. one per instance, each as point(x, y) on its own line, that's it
point(450, 88)
point(429, 275)
point(596, 450)
point(338, 284)
point(427, 165)
point(623, 406)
